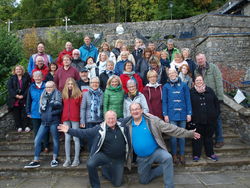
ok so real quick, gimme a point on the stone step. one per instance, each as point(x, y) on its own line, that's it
point(236, 149)
point(28, 143)
point(224, 164)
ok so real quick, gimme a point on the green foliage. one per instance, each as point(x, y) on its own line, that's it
point(56, 41)
point(10, 54)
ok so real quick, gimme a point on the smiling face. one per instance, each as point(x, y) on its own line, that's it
point(110, 119)
point(49, 87)
point(128, 67)
point(172, 74)
point(110, 66)
point(184, 70)
point(39, 61)
point(201, 60)
point(87, 41)
point(90, 61)
point(18, 71)
point(66, 61)
point(136, 111)
point(40, 48)
point(70, 85)
point(198, 81)
point(170, 46)
point(151, 46)
point(131, 87)
point(94, 83)
point(68, 46)
point(37, 78)
point(114, 82)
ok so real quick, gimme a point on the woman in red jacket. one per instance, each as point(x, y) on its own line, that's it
point(128, 74)
point(72, 97)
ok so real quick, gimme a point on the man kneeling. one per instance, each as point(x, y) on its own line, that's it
point(109, 149)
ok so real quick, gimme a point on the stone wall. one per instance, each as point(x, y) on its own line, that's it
point(224, 38)
point(6, 122)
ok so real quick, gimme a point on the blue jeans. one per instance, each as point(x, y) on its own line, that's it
point(36, 123)
point(174, 140)
point(43, 130)
point(112, 169)
point(146, 173)
point(219, 131)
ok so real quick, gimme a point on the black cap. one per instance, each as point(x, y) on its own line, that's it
point(84, 69)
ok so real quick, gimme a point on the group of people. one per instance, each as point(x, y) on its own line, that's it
point(120, 102)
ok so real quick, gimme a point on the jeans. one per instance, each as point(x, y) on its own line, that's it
point(219, 131)
point(36, 125)
point(74, 125)
point(112, 169)
point(174, 140)
point(146, 173)
point(43, 130)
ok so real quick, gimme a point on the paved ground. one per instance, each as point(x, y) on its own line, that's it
point(184, 180)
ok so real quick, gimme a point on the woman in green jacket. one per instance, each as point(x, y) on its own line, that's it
point(114, 96)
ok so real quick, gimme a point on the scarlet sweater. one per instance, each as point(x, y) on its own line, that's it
point(124, 78)
point(71, 109)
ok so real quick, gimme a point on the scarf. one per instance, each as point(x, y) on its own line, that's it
point(129, 73)
point(184, 78)
point(155, 85)
point(102, 66)
point(95, 108)
point(54, 98)
point(200, 89)
point(92, 70)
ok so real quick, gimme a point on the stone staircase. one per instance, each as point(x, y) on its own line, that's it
point(17, 150)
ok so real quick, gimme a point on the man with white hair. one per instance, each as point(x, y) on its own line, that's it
point(40, 52)
point(68, 50)
point(109, 149)
point(77, 61)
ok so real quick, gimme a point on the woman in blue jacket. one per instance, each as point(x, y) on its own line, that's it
point(176, 108)
point(32, 104)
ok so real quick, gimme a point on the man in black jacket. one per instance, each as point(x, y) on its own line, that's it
point(109, 149)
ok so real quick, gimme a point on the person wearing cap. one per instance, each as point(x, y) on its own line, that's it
point(171, 50)
point(83, 83)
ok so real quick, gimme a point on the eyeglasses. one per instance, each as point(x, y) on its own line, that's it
point(76, 54)
point(134, 110)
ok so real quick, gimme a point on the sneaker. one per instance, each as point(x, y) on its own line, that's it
point(66, 163)
point(33, 164)
point(213, 158)
point(75, 163)
point(19, 130)
point(196, 158)
point(27, 129)
point(54, 163)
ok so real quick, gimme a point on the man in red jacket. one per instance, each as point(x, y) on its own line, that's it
point(65, 72)
point(68, 50)
point(40, 66)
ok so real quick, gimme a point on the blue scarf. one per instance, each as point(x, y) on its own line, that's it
point(95, 108)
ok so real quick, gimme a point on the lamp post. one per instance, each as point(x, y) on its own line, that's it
point(171, 4)
point(66, 19)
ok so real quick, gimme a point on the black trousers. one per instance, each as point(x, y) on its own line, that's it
point(206, 131)
point(20, 117)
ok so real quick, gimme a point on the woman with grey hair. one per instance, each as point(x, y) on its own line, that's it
point(92, 106)
point(133, 96)
point(33, 103)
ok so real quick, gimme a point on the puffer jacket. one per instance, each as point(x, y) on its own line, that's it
point(33, 100)
point(113, 100)
point(176, 102)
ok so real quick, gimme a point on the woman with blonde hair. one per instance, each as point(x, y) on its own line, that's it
point(177, 62)
point(117, 49)
point(131, 58)
point(105, 47)
point(18, 86)
point(72, 97)
point(153, 94)
point(113, 96)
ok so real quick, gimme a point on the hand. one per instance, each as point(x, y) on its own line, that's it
point(188, 118)
point(63, 128)
point(196, 135)
point(20, 96)
point(166, 119)
point(82, 125)
point(29, 116)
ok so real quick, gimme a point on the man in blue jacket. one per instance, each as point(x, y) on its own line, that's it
point(88, 50)
point(109, 149)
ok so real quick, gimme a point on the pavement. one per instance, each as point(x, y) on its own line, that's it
point(229, 179)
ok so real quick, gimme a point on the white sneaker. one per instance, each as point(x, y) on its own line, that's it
point(19, 130)
point(66, 163)
point(27, 129)
point(75, 163)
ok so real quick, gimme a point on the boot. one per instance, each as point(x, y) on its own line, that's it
point(175, 159)
point(182, 160)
